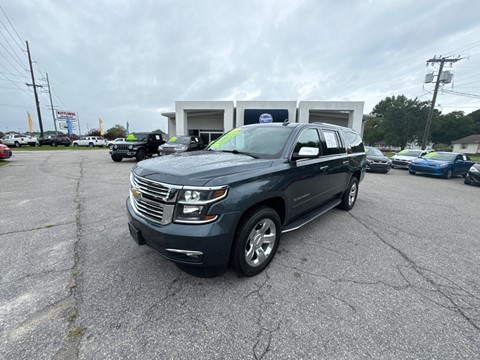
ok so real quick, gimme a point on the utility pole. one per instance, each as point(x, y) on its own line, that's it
point(442, 61)
point(35, 91)
point(79, 130)
point(51, 105)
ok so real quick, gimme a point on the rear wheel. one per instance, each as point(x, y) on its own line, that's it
point(141, 155)
point(90, 144)
point(116, 158)
point(350, 195)
point(53, 144)
point(256, 241)
point(75, 144)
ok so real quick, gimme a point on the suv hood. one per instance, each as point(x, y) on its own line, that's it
point(200, 168)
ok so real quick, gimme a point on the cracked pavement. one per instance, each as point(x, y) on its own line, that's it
point(396, 277)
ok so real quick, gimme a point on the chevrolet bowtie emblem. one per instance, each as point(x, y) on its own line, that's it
point(136, 194)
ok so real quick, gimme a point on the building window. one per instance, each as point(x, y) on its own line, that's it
point(463, 146)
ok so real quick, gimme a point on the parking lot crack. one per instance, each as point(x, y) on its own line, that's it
point(75, 332)
point(427, 278)
point(48, 226)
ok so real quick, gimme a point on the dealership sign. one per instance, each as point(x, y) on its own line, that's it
point(265, 118)
point(67, 120)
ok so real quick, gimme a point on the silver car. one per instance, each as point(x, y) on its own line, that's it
point(403, 158)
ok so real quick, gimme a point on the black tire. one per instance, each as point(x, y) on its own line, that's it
point(411, 172)
point(466, 181)
point(448, 174)
point(349, 197)
point(75, 144)
point(16, 144)
point(116, 158)
point(256, 241)
point(90, 144)
point(54, 144)
point(141, 155)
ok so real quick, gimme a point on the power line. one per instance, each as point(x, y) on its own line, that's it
point(13, 27)
point(12, 65)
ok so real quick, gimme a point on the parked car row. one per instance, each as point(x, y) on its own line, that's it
point(437, 163)
point(17, 140)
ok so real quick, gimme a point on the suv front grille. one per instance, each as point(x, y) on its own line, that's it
point(153, 200)
point(122, 147)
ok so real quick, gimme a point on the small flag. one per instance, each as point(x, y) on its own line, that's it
point(30, 122)
point(100, 122)
point(127, 128)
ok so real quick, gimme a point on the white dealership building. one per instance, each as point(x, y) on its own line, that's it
point(210, 119)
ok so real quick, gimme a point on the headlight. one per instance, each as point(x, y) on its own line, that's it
point(130, 147)
point(193, 204)
point(474, 169)
point(160, 147)
point(442, 165)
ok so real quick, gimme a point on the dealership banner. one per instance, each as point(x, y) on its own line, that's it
point(67, 120)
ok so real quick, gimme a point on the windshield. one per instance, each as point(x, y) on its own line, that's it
point(137, 137)
point(266, 142)
point(413, 153)
point(374, 152)
point(442, 156)
point(185, 140)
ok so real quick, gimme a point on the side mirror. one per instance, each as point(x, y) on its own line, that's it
point(306, 153)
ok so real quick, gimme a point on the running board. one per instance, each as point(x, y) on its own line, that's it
point(297, 224)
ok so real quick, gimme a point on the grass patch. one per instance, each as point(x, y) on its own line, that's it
point(3, 162)
point(77, 330)
point(72, 316)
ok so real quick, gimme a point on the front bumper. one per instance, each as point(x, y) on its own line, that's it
point(403, 164)
point(5, 154)
point(378, 167)
point(197, 245)
point(123, 154)
point(472, 178)
point(436, 171)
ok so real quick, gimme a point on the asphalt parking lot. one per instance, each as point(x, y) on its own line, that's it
point(396, 277)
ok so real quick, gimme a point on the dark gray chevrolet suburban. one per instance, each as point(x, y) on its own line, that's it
point(229, 204)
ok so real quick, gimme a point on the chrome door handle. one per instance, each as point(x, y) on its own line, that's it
point(324, 168)
point(346, 162)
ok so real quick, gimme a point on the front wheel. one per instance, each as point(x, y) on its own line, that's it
point(256, 241)
point(75, 144)
point(448, 174)
point(411, 172)
point(16, 144)
point(141, 155)
point(350, 195)
point(116, 158)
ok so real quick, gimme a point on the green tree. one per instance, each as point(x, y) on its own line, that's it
point(373, 131)
point(475, 116)
point(403, 119)
point(94, 132)
point(452, 126)
point(118, 131)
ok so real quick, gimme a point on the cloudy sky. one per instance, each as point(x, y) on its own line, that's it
point(126, 60)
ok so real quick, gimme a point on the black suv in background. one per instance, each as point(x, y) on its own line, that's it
point(137, 145)
point(230, 203)
point(183, 143)
point(55, 140)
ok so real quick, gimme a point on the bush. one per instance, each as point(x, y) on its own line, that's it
point(443, 147)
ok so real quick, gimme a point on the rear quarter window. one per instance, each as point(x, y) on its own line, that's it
point(355, 143)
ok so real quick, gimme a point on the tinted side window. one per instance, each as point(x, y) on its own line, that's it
point(355, 141)
point(309, 138)
point(333, 142)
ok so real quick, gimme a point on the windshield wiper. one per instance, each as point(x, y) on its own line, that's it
point(236, 152)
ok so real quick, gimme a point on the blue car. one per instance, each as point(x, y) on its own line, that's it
point(439, 163)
